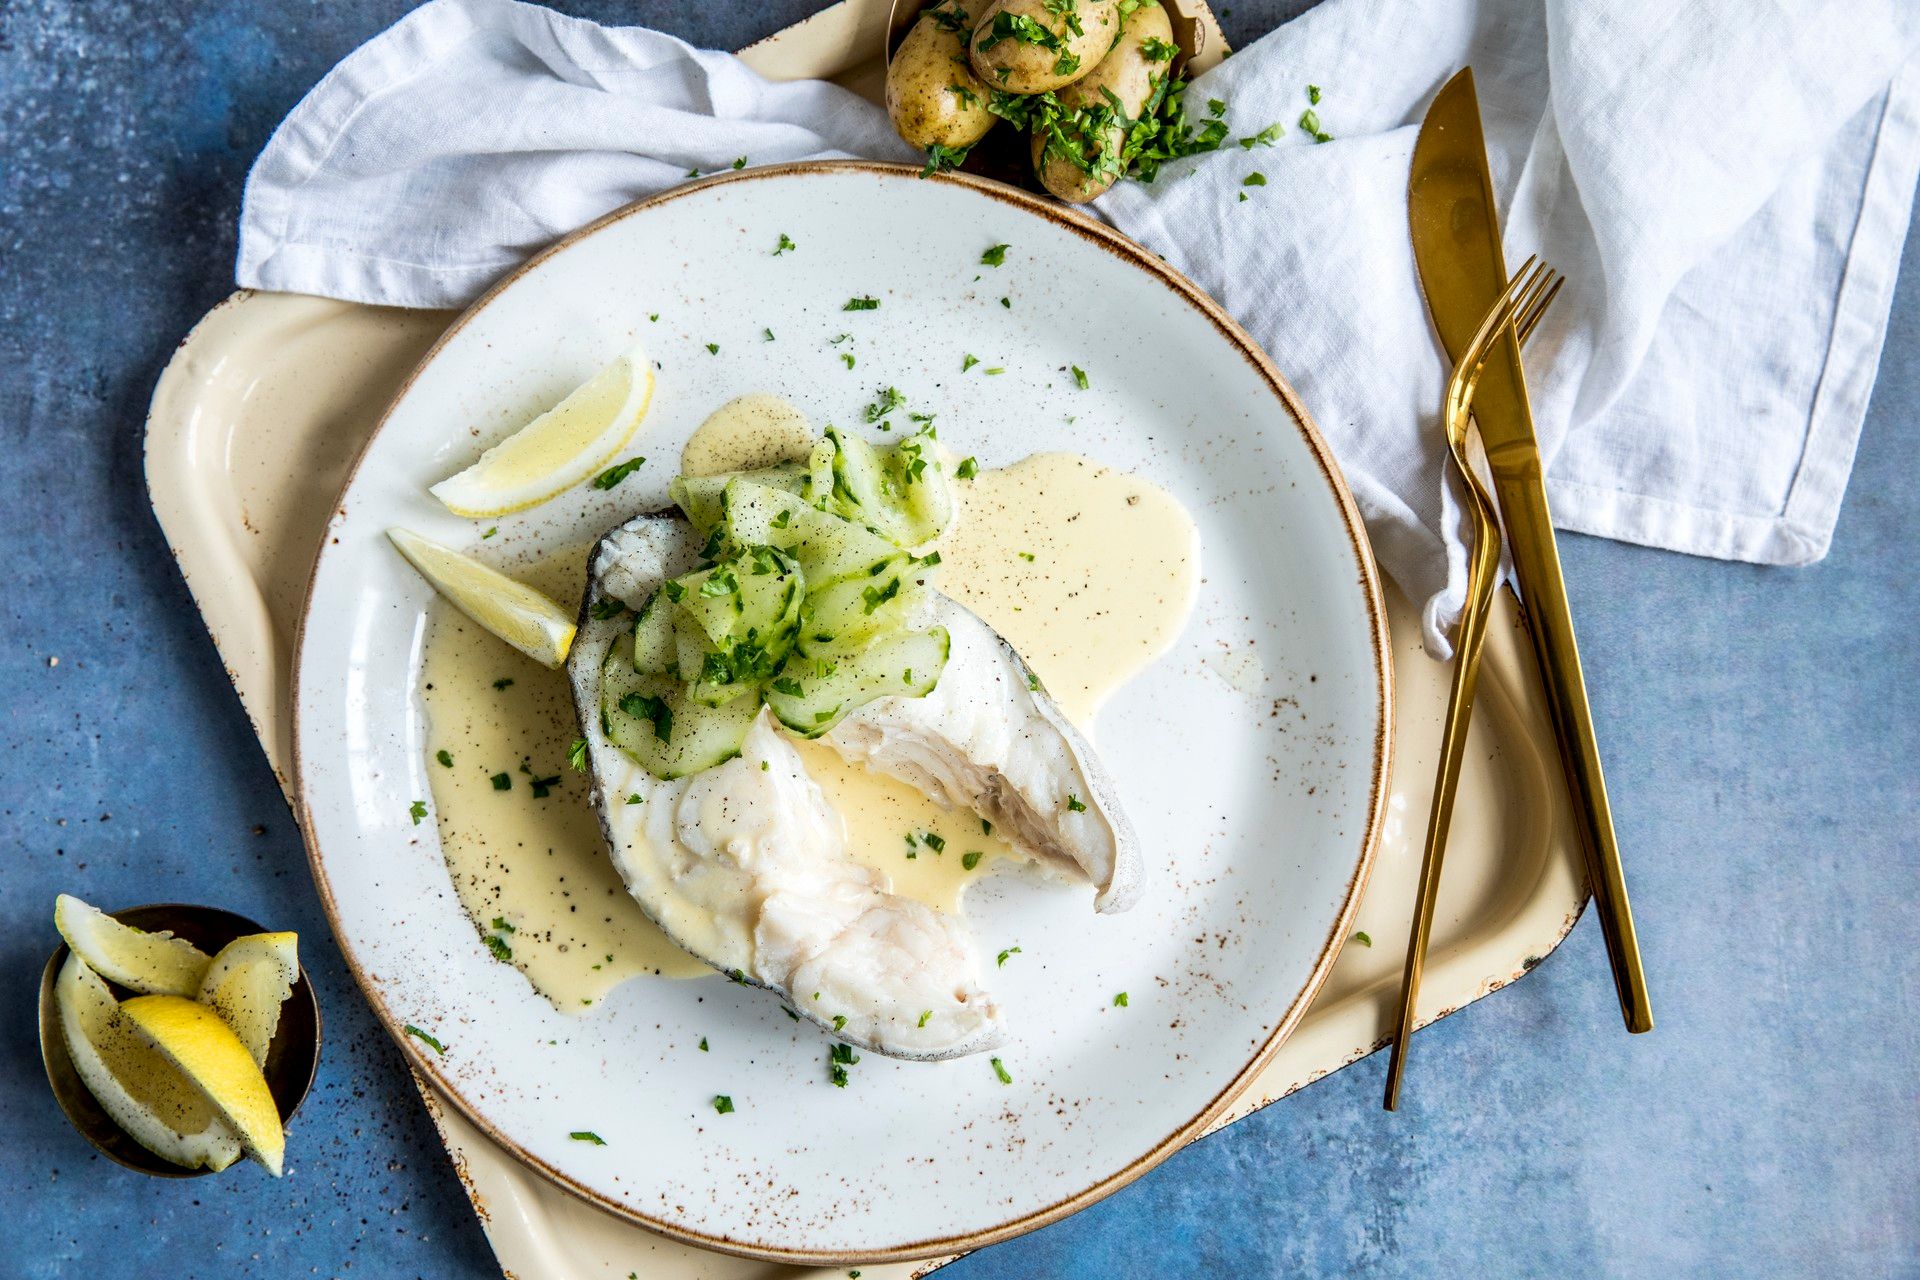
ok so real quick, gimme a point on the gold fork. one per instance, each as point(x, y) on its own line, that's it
point(1526, 299)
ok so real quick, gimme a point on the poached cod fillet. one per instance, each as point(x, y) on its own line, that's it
point(745, 865)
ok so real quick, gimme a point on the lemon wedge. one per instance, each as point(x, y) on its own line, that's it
point(248, 982)
point(206, 1051)
point(561, 447)
point(154, 963)
point(146, 1095)
point(515, 612)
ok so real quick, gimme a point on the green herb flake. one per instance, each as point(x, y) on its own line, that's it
point(862, 304)
point(653, 710)
point(722, 1103)
point(424, 1038)
point(498, 945)
point(577, 755)
point(740, 162)
point(1363, 938)
point(994, 256)
point(602, 610)
point(634, 798)
point(615, 474)
point(1007, 303)
point(1001, 962)
point(935, 842)
point(968, 469)
point(1033, 682)
point(1265, 138)
point(501, 925)
point(1254, 179)
point(504, 682)
point(418, 811)
point(1310, 121)
point(971, 859)
point(1313, 94)
point(994, 372)
point(703, 1045)
point(503, 782)
point(846, 358)
point(924, 1017)
point(1216, 108)
point(1120, 1000)
point(1074, 805)
point(543, 787)
point(588, 1135)
point(1155, 50)
point(942, 157)
point(986, 828)
point(967, 362)
point(1000, 1069)
point(490, 532)
point(1079, 377)
point(786, 244)
point(839, 1021)
point(767, 334)
point(713, 348)
point(1026, 555)
point(444, 756)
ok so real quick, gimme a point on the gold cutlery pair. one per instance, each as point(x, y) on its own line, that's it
point(1482, 318)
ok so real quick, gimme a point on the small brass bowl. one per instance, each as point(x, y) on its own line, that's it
point(292, 1058)
point(1003, 155)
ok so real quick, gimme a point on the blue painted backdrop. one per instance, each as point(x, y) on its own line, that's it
point(1762, 729)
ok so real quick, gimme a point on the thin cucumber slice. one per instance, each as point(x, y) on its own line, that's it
point(918, 483)
point(652, 719)
point(703, 497)
point(654, 649)
point(826, 546)
point(856, 608)
point(711, 597)
point(817, 689)
point(862, 491)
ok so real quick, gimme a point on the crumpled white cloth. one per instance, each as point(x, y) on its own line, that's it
point(1726, 184)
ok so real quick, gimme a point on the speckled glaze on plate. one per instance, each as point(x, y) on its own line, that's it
point(1263, 825)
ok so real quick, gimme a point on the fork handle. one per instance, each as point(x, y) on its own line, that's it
point(1453, 747)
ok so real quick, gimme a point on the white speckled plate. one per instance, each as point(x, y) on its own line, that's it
point(1259, 813)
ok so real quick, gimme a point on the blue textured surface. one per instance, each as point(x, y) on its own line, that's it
point(1761, 726)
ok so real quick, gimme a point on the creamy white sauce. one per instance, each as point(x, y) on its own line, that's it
point(1111, 580)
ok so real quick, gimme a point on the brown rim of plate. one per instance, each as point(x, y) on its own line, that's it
point(1129, 252)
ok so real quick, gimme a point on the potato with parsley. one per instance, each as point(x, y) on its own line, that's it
point(1082, 160)
point(933, 98)
point(1032, 46)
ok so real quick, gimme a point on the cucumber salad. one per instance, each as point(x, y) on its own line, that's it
point(810, 579)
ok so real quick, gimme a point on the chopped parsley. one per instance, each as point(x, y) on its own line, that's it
point(1007, 303)
point(418, 811)
point(489, 533)
point(967, 362)
point(971, 859)
point(786, 243)
point(498, 945)
point(740, 162)
point(923, 1018)
point(935, 842)
point(615, 474)
point(1000, 1069)
point(703, 1045)
point(722, 1103)
point(444, 756)
point(1066, 64)
point(1313, 94)
point(543, 787)
point(713, 348)
point(994, 372)
point(634, 798)
point(1215, 107)
point(577, 754)
point(862, 304)
point(654, 710)
point(986, 828)
point(888, 400)
point(503, 782)
point(1079, 376)
point(1074, 805)
point(608, 608)
point(1310, 121)
point(1154, 50)
point(839, 1021)
point(424, 1038)
point(503, 682)
point(1033, 682)
point(967, 469)
point(839, 1058)
point(846, 358)
point(1254, 179)
point(588, 1135)
point(1361, 936)
point(994, 256)
point(1001, 962)
point(767, 334)
point(877, 596)
point(968, 98)
point(1027, 556)
point(1265, 138)
point(939, 157)
point(1120, 1000)
point(1019, 28)
point(501, 925)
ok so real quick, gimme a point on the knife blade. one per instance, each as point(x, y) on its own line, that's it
point(1456, 246)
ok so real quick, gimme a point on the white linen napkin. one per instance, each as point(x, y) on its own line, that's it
point(1726, 185)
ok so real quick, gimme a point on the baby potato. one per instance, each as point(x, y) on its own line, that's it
point(1031, 46)
point(933, 97)
point(1141, 58)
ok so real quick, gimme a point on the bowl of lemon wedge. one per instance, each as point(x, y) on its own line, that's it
point(177, 1038)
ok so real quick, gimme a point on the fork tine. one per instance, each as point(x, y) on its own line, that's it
point(1532, 317)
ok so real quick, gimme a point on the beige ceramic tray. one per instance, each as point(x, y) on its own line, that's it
point(266, 403)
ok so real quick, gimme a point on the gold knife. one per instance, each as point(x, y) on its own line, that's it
point(1456, 245)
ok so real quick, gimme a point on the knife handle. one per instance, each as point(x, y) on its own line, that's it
point(1550, 624)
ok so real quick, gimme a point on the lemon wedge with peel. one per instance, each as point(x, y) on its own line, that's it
point(248, 982)
point(154, 963)
point(206, 1051)
point(523, 617)
point(146, 1095)
point(561, 447)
